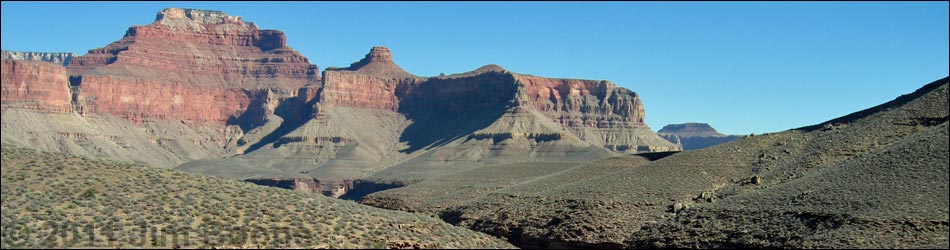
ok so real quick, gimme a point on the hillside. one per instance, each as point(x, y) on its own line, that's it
point(876, 178)
point(55, 201)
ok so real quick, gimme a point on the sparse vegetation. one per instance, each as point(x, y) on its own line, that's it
point(877, 178)
point(130, 206)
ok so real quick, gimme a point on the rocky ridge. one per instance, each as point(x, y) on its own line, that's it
point(61, 58)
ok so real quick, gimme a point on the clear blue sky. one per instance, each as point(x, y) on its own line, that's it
point(743, 67)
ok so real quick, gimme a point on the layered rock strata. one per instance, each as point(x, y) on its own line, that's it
point(221, 65)
point(221, 76)
point(195, 86)
point(61, 58)
point(36, 86)
point(375, 121)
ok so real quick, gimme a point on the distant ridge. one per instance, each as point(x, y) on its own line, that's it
point(694, 135)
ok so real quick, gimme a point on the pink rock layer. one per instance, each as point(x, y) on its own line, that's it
point(37, 86)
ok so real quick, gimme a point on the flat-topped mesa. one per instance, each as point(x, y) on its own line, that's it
point(61, 58)
point(690, 129)
point(694, 135)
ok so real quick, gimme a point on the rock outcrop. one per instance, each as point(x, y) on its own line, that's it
point(36, 86)
point(694, 135)
point(221, 65)
point(598, 112)
point(222, 77)
point(61, 58)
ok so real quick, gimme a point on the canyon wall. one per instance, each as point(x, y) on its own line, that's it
point(209, 92)
point(228, 82)
point(36, 86)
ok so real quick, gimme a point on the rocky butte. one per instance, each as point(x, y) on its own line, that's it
point(190, 85)
point(694, 135)
point(207, 92)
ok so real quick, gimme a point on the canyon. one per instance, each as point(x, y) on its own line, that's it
point(207, 92)
point(539, 162)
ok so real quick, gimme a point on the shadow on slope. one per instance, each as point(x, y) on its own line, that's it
point(294, 113)
point(446, 109)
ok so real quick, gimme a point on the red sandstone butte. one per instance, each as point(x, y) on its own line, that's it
point(191, 65)
point(374, 82)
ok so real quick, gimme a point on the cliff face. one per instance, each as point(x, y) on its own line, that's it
point(37, 86)
point(352, 89)
point(590, 103)
point(598, 112)
point(220, 64)
point(61, 58)
point(227, 81)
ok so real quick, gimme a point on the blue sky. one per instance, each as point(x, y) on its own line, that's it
point(743, 67)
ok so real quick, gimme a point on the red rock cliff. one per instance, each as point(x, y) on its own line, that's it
point(138, 99)
point(37, 86)
point(374, 82)
point(596, 111)
point(193, 65)
point(590, 103)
